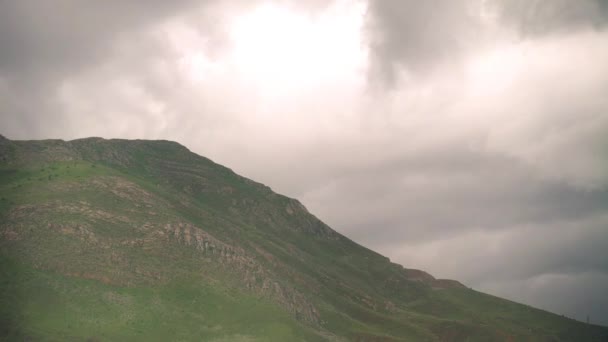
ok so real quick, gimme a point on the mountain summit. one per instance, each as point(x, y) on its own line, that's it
point(115, 240)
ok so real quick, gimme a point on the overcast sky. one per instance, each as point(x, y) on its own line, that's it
point(468, 138)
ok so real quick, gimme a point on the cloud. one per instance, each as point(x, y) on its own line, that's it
point(543, 291)
point(413, 36)
point(416, 35)
point(419, 199)
point(46, 43)
point(479, 157)
point(542, 17)
point(57, 37)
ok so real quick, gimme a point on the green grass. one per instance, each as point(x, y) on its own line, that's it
point(49, 306)
point(85, 253)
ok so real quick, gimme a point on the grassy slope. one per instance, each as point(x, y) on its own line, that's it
point(99, 240)
point(49, 306)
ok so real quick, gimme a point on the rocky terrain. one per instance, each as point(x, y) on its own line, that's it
point(145, 240)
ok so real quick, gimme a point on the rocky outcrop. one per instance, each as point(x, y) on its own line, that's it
point(254, 277)
point(447, 284)
point(424, 277)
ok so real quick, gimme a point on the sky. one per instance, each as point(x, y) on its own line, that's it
point(467, 138)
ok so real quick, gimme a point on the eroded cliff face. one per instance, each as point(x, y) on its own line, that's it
point(251, 275)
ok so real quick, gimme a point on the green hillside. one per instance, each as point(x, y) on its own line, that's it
point(120, 240)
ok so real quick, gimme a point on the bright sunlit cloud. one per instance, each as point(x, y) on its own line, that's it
point(282, 52)
point(278, 51)
point(495, 70)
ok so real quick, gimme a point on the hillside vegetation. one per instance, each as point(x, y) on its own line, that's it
point(116, 240)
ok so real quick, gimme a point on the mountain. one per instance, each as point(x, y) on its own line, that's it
point(134, 240)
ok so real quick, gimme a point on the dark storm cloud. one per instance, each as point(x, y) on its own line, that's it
point(417, 34)
point(439, 194)
point(43, 43)
point(54, 37)
point(540, 17)
point(553, 292)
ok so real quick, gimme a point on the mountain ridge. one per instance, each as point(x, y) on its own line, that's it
point(142, 215)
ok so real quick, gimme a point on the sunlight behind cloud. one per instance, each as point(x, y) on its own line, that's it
point(282, 52)
point(495, 70)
